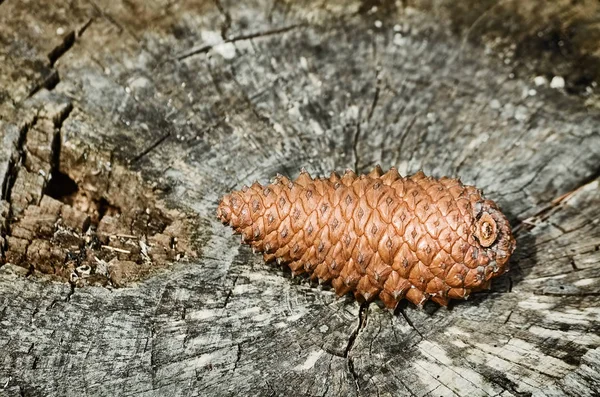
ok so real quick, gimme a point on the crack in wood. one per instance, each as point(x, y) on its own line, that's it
point(238, 356)
point(49, 83)
point(401, 308)
point(84, 27)
point(230, 292)
point(334, 63)
point(554, 206)
point(227, 23)
point(58, 51)
point(16, 160)
point(206, 48)
point(150, 148)
point(71, 292)
point(363, 314)
point(507, 319)
point(73, 231)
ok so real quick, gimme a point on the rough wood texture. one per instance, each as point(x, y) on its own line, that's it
point(203, 96)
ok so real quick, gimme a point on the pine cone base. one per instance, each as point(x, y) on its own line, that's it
point(377, 235)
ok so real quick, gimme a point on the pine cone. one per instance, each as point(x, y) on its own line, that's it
point(377, 235)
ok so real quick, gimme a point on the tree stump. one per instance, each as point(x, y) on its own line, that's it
point(124, 122)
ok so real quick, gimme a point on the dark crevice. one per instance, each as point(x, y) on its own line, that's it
point(53, 78)
point(74, 205)
point(60, 118)
point(238, 357)
point(363, 313)
point(61, 186)
point(266, 33)
point(401, 308)
point(16, 161)
point(227, 16)
point(374, 103)
point(573, 265)
point(153, 146)
point(48, 83)
point(230, 292)
point(194, 51)
point(71, 292)
point(589, 179)
point(206, 48)
point(86, 25)
point(62, 48)
point(13, 164)
point(546, 211)
point(56, 147)
point(104, 206)
point(556, 225)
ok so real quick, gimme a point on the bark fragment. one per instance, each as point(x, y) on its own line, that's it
point(75, 216)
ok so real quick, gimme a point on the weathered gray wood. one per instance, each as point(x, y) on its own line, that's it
point(202, 97)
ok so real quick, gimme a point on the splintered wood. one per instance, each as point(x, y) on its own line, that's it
point(72, 214)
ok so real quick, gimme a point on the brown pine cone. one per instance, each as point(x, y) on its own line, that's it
point(377, 235)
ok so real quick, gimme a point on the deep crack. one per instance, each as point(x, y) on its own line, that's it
point(58, 51)
point(363, 314)
point(71, 292)
point(49, 82)
point(402, 311)
point(238, 356)
point(53, 78)
point(14, 163)
point(555, 205)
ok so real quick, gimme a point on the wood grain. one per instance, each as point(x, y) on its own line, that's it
point(202, 97)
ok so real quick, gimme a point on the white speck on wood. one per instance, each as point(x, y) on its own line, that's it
point(557, 82)
point(312, 358)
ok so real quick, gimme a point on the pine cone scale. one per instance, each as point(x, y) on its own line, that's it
point(377, 235)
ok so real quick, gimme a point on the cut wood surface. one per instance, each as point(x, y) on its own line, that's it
point(150, 111)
